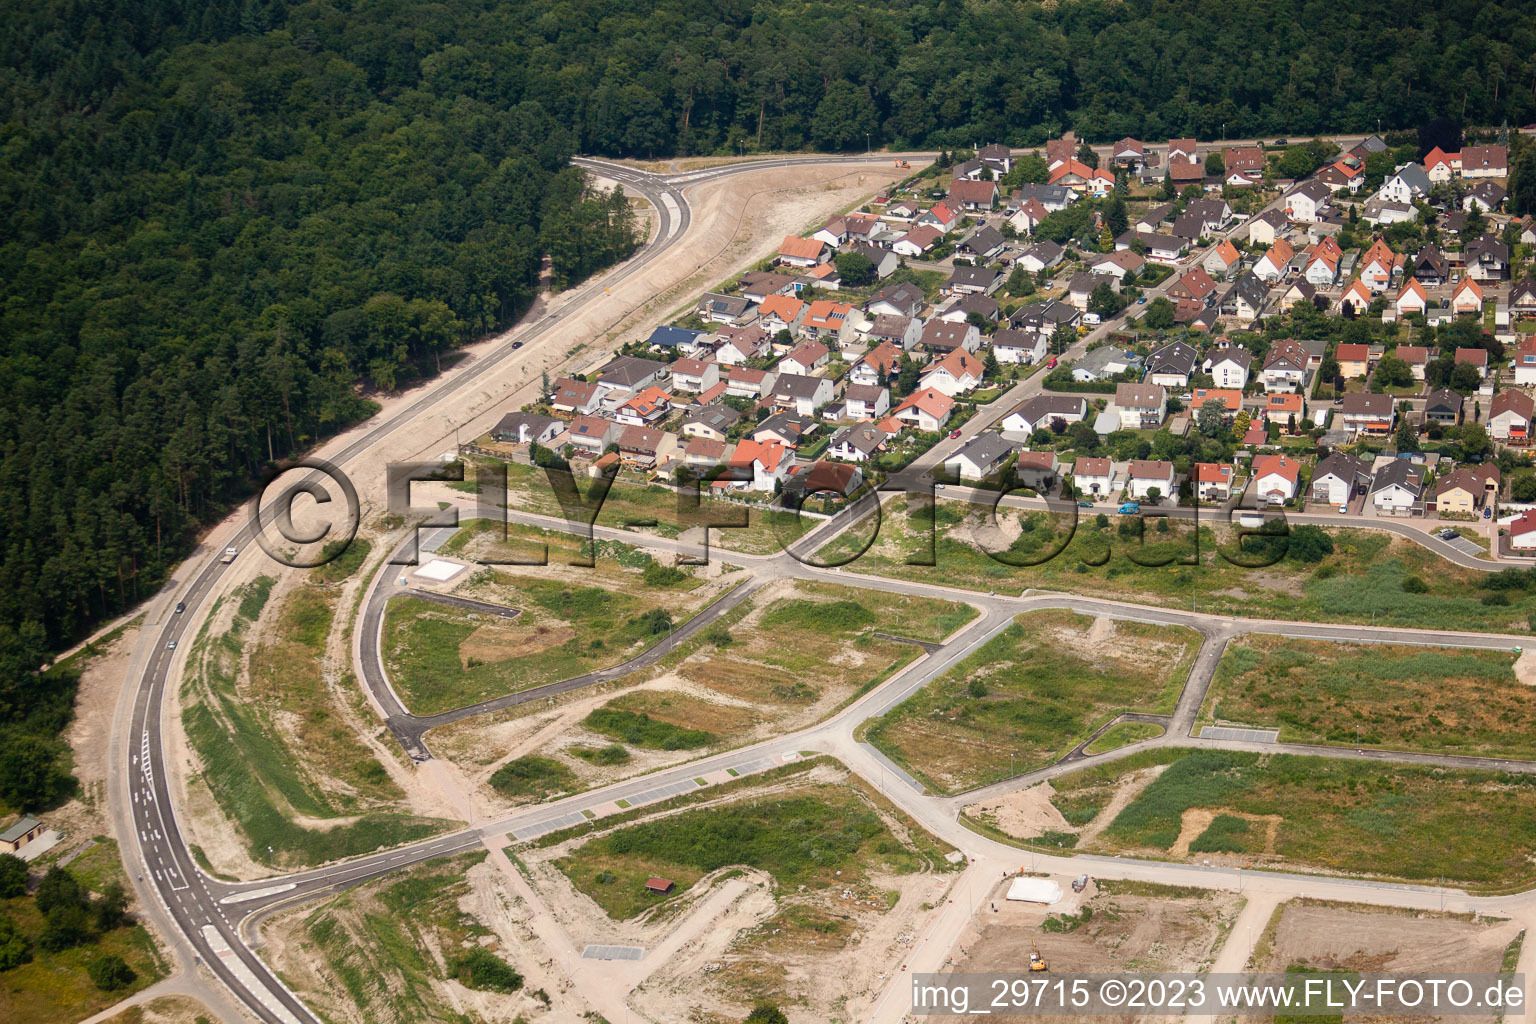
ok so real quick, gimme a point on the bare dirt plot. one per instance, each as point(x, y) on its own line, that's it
point(1110, 927)
point(1337, 936)
point(834, 916)
point(1031, 694)
point(394, 949)
point(1435, 699)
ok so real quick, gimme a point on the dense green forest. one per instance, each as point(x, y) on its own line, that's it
point(228, 221)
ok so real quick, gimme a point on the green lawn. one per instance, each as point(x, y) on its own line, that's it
point(1032, 693)
point(1435, 699)
point(1351, 817)
point(1361, 581)
point(1123, 735)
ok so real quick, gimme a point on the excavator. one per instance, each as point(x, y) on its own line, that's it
point(1036, 961)
point(903, 163)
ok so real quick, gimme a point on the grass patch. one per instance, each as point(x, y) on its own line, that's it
point(1438, 700)
point(1406, 821)
point(261, 775)
point(533, 776)
point(342, 562)
point(641, 730)
point(1360, 581)
point(1031, 694)
point(800, 838)
point(1123, 734)
point(1227, 833)
point(610, 754)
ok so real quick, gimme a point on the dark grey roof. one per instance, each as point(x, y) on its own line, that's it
point(630, 370)
point(795, 385)
point(724, 305)
point(905, 295)
point(715, 417)
point(1401, 472)
point(1443, 399)
point(979, 277)
point(1174, 357)
point(514, 424)
point(1043, 407)
point(1250, 289)
point(983, 240)
point(986, 449)
point(1414, 177)
point(865, 437)
point(1344, 466)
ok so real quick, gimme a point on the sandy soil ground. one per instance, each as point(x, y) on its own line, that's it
point(1334, 936)
point(101, 681)
point(730, 940)
point(1023, 814)
point(164, 1010)
point(1130, 928)
point(1525, 667)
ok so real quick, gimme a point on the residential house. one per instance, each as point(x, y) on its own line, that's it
point(742, 382)
point(901, 333)
point(1467, 299)
point(1348, 173)
point(1356, 299)
point(1118, 263)
point(1229, 366)
point(1379, 266)
point(1509, 416)
point(643, 446)
point(1383, 212)
point(1398, 488)
point(1340, 477)
point(1153, 218)
point(858, 443)
point(1522, 298)
point(1039, 471)
point(1354, 360)
point(867, 401)
point(781, 313)
point(1028, 216)
point(1406, 185)
point(787, 428)
point(885, 261)
point(702, 453)
point(803, 252)
point(958, 308)
point(926, 409)
point(1044, 253)
point(1522, 532)
point(1266, 228)
point(1172, 364)
point(739, 345)
point(1080, 288)
point(1411, 298)
point(981, 457)
point(761, 465)
point(1044, 410)
point(828, 321)
point(941, 336)
point(1048, 316)
point(1130, 153)
point(1486, 196)
point(723, 309)
point(822, 480)
point(1321, 262)
point(1052, 197)
point(975, 280)
point(1416, 356)
point(801, 394)
point(1464, 490)
point(1222, 257)
point(591, 434)
point(1015, 346)
point(904, 299)
point(1285, 409)
point(1285, 366)
point(942, 216)
point(710, 422)
point(1276, 478)
point(757, 285)
point(693, 376)
point(953, 374)
point(1160, 248)
point(806, 358)
point(1141, 406)
point(644, 408)
point(1306, 202)
point(1151, 480)
point(1196, 285)
point(1213, 481)
point(996, 156)
point(1474, 357)
point(1243, 165)
point(574, 396)
point(877, 366)
point(1271, 266)
point(631, 372)
point(973, 195)
point(917, 241)
point(1487, 259)
point(1484, 162)
point(1439, 165)
point(682, 339)
point(1106, 362)
point(1093, 477)
point(526, 428)
point(1430, 267)
point(1366, 414)
point(981, 245)
point(1246, 299)
point(1231, 400)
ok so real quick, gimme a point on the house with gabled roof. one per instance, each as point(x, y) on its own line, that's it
point(973, 195)
point(1229, 366)
point(795, 251)
point(1522, 298)
point(1430, 267)
point(1407, 184)
point(1306, 202)
point(1271, 266)
point(1195, 285)
point(827, 321)
point(1411, 298)
point(877, 366)
point(1338, 478)
point(981, 456)
point(1467, 299)
point(1041, 410)
point(977, 280)
point(917, 241)
point(804, 395)
point(1276, 478)
point(1212, 481)
point(1484, 161)
point(1172, 364)
point(739, 345)
point(1477, 358)
point(1093, 476)
point(941, 216)
point(574, 396)
point(761, 465)
point(805, 358)
point(781, 313)
point(1285, 366)
point(1397, 488)
point(711, 422)
point(1222, 257)
point(953, 374)
point(927, 409)
point(1356, 299)
point(859, 442)
point(1011, 345)
point(940, 336)
point(1510, 414)
point(694, 376)
point(1366, 414)
point(1148, 475)
point(1141, 406)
